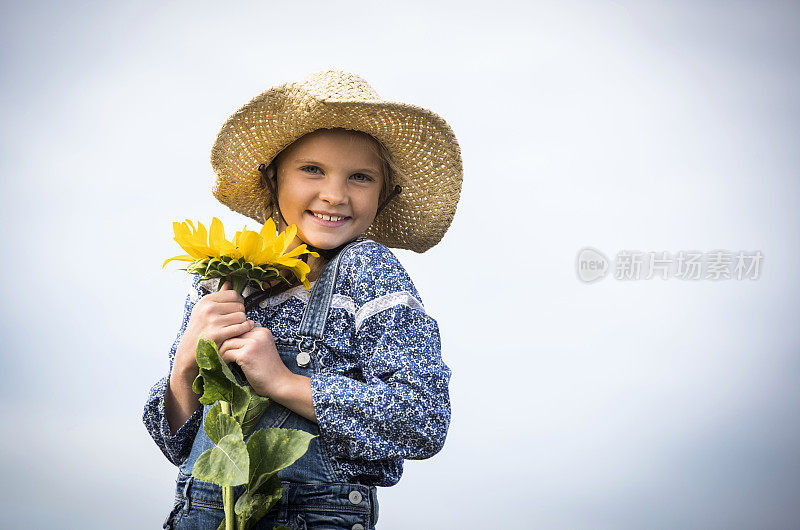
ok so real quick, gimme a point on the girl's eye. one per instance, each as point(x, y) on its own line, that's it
point(361, 177)
point(310, 169)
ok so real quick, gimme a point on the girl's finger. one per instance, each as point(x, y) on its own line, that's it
point(230, 319)
point(229, 355)
point(236, 342)
point(227, 345)
point(236, 330)
point(226, 293)
point(226, 308)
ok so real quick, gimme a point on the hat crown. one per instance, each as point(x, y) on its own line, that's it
point(336, 85)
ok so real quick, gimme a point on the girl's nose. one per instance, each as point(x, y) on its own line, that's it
point(334, 191)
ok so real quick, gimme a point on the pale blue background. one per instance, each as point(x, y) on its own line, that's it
point(654, 126)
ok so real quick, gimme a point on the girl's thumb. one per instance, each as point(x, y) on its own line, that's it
point(226, 286)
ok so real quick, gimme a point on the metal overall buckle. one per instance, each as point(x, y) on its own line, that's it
point(305, 346)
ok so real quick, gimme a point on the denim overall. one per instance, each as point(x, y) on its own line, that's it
point(313, 494)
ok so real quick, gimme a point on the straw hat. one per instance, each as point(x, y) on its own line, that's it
point(422, 144)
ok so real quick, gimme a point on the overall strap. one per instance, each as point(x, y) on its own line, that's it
point(316, 313)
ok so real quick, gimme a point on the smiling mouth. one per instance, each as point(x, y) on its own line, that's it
point(328, 217)
point(328, 220)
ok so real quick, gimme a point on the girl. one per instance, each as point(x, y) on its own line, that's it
point(356, 360)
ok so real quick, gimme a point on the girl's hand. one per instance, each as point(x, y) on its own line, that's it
point(216, 316)
point(256, 354)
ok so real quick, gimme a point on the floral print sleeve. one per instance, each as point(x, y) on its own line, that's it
point(397, 406)
point(176, 447)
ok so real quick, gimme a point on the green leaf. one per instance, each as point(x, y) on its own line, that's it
point(251, 507)
point(226, 464)
point(247, 407)
point(271, 450)
point(196, 268)
point(218, 424)
point(270, 272)
point(218, 382)
point(197, 385)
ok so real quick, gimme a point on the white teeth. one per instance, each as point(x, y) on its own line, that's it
point(328, 217)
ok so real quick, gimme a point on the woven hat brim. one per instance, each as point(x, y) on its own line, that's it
point(421, 142)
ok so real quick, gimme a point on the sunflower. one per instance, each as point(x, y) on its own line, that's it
point(251, 256)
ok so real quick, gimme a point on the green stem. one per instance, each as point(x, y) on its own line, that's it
point(227, 491)
point(238, 283)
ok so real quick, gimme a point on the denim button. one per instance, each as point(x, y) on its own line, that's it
point(303, 359)
point(358, 526)
point(355, 497)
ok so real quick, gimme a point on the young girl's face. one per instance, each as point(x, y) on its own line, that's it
point(329, 182)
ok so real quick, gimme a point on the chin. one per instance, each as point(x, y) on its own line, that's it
point(325, 243)
point(330, 246)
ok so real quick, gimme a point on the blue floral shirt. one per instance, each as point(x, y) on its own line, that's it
point(382, 393)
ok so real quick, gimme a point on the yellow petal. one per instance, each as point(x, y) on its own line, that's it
point(269, 231)
point(200, 237)
point(300, 249)
point(184, 257)
point(249, 244)
point(182, 230)
point(265, 256)
point(301, 268)
point(217, 241)
point(216, 234)
point(190, 247)
point(288, 263)
point(193, 242)
point(289, 237)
